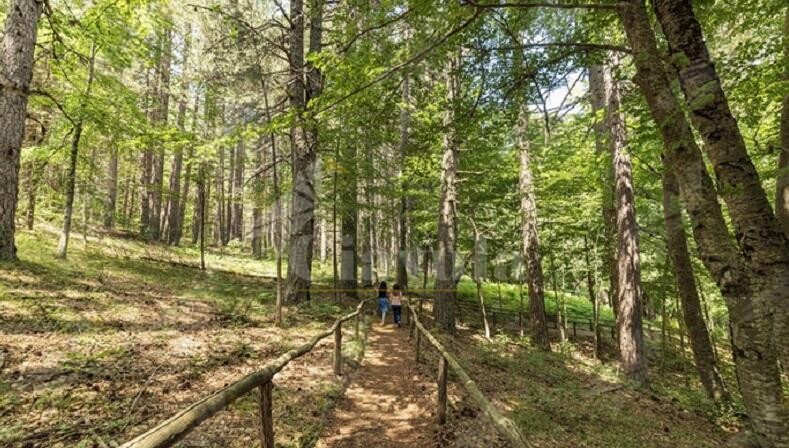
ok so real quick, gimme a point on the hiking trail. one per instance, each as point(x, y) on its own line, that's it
point(389, 402)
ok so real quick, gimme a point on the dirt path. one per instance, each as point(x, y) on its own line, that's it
point(389, 402)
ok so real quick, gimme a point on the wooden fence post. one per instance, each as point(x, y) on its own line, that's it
point(574, 332)
point(338, 350)
point(442, 390)
point(418, 340)
point(356, 328)
point(613, 333)
point(591, 326)
point(266, 420)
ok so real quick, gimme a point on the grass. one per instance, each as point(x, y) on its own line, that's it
point(122, 334)
point(562, 400)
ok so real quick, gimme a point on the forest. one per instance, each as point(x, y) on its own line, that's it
point(394, 223)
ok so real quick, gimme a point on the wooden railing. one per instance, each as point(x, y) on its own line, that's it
point(504, 426)
point(176, 427)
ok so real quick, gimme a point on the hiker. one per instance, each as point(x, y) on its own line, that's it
point(383, 301)
point(397, 303)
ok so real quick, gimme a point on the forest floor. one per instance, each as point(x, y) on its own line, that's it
point(123, 334)
point(109, 342)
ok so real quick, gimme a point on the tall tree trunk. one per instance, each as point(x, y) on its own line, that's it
point(590, 286)
point(447, 209)
point(276, 212)
point(230, 195)
point(529, 235)
point(598, 96)
point(200, 210)
point(782, 177)
point(32, 190)
point(16, 71)
point(112, 189)
point(480, 269)
point(162, 109)
point(367, 221)
point(686, 288)
point(350, 216)
point(71, 177)
point(752, 342)
point(402, 246)
point(630, 300)
point(258, 199)
point(761, 238)
point(237, 221)
point(174, 216)
point(304, 145)
point(220, 228)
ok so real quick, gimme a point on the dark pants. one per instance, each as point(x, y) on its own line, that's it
point(396, 311)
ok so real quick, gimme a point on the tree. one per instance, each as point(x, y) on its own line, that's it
point(19, 43)
point(447, 209)
point(753, 345)
point(762, 241)
point(303, 146)
point(677, 244)
point(531, 243)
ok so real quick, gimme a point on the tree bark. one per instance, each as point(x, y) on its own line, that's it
point(686, 288)
point(529, 233)
point(304, 145)
point(629, 302)
point(598, 101)
point(350, 215)
point(782, 177)
point(160, 119)
point(16, 71)
point(174, 216)
point(447, 207)
point(762, 242)
point(752, 342)
point(237, 219)
point(402, 242)
point(32, 189)
point(112, 189)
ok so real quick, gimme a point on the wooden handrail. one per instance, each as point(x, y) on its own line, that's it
point(179, 425)
point(503, 425)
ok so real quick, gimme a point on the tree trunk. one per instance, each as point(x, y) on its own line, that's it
point(529, 233)
point(402, 255)
point(174, 216)
point(782, 176)
point(686, 288)
point(237, 221)
point(258, 200)
point(590, 286)
point(752, 342)
point(350, 215)
point(200, 211)
point(629, 302)
point(16, 71)
point(762, 242)
point(71, 177)
point(367, 223)
point(160, 119)
point(447, 210)
point(112, 189)
point(220, 228)
point(304, 144)
point(32, 189)
point(598, 95)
